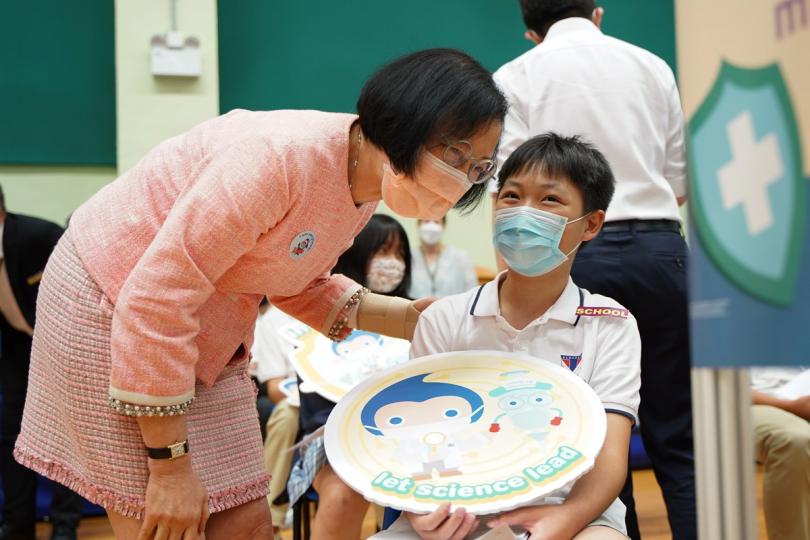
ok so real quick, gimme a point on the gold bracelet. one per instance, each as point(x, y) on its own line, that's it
point(342, 318)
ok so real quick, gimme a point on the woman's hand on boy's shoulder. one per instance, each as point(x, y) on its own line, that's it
point(547, 522)
point(421, 304)
point(442, 525)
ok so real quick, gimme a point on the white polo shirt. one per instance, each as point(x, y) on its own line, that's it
point(602, 346)
point(270, 353)
point(619, 97)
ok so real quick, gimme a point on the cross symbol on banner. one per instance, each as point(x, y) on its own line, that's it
point(754, 167)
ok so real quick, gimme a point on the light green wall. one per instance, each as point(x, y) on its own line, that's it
point(51, 192)
point(151, 109)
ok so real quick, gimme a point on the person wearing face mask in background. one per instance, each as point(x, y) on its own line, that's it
point(552, 196)
point(146, 308)
point(379, 259)
point(439, 269)
point(376, 260)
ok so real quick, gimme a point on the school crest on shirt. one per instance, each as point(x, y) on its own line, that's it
point(571, 361)
point(747, 184)
point(302, 244)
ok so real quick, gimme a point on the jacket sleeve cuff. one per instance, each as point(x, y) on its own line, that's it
point(136, 398)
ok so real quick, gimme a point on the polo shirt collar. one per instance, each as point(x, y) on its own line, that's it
point(565, 308)
point(487, 304)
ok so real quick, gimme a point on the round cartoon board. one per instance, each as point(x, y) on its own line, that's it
point(485, 430)
point(332, 369)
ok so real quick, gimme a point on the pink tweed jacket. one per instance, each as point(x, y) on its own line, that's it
point(186, 242)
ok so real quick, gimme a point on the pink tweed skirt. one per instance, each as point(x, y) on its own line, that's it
point(71, 435)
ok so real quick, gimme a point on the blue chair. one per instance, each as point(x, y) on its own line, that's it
point(390, 516)
point(302, 514)
point(638, 456)
point(43, 508)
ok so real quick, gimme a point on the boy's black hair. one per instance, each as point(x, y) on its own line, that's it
point(380, 232)
point(567, 157)
point(428, 94)
point(539, 15)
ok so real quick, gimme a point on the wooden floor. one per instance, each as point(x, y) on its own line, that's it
point(651, 512)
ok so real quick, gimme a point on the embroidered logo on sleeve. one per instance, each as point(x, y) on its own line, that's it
point(571, 361)
point(586, 311)
point(302, 244)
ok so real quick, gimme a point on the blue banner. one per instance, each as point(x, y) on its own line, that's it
point(749, 200)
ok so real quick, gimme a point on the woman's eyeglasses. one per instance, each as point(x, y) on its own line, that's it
point(458, 153)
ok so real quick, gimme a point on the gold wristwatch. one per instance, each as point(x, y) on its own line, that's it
point(173, 451)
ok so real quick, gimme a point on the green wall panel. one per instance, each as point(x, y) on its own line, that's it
point(289, 54)
point(647, 23)
point(57, 82)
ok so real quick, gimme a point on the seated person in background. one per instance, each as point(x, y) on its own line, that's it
point(781, 423)
point(269, 364)
point(379, 259)
point(552, 196)
point(439, 269)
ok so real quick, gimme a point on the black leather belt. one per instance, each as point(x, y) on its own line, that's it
point(642, 225)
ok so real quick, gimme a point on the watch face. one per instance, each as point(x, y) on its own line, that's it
point(177, 450)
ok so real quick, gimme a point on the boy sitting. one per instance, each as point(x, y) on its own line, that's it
point(552, 195)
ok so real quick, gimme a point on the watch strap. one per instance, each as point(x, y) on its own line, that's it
point(173, 451)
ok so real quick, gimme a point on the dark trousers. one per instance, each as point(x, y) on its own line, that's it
point(20, 483)
point(264, 406)
point(646, 272)
point(66, 507)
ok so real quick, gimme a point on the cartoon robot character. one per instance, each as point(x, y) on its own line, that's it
point(429, 421)
point(364, 351)
point(527, 404)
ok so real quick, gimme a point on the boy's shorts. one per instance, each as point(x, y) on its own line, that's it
point(613, 517)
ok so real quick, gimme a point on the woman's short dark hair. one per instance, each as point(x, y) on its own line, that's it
point(379, 233)
point(539, 15)
point(431, 93)
point(565, 157)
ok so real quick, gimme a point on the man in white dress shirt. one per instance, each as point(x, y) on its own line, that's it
point(625, 101)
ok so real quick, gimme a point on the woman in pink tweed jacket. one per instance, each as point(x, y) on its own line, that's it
point(149, 301)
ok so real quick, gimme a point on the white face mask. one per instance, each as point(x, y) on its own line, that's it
point(385, 273)
point(430, 232)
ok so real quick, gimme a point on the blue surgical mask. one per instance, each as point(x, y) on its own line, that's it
point(529, 239)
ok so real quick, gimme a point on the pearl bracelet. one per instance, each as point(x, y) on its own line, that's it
point(131, 409)
point(342, 319)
